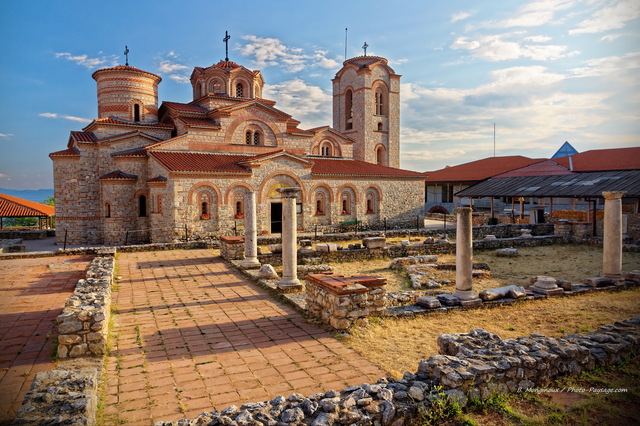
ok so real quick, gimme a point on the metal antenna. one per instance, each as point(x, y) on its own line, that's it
point(126, 55)
point(226, 45)
point(494, 139)
point(345, 43)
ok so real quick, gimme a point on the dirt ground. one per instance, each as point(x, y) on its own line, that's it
point(568, 262)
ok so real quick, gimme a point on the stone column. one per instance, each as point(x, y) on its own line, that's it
point(464, 256)
point(612, 245)
point(250, 232)
point(289, 281)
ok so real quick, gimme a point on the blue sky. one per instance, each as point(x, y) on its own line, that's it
point(544, 71)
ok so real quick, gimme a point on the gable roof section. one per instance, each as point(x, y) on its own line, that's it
point(480, 169)
point(82, 136)
point(565, 150)
point(543, 168)
point(249, 103)
point(258, 160)
point(69, 152)
point(177, 106)
point(131, 153)
point(118, 175)
point(603, 159)
point(348, 167)
point(197, 122)
point(198, 162)
point(18, 207)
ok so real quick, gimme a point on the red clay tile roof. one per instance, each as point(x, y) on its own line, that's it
point(126, 68)
point(196, 122)
point(480, 169)
point(200, 162)
point(157, 179)
point(227, 65)
point(69, 152)
point(184, 107)
point(114, 120)
point(346, 167)
point(135, 152)
point(84, 136)
point(118, 175)
point(603, 159)
point(17, 207)
point(299, 131)
point(543, 168)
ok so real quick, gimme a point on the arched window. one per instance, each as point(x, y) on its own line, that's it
point(346, 202)
point(239, 209)
point(326, 149)
point(321, 202)
point(239, 90)
point(107, 210)
point(256, 138)
point(380, 126)
point(349, 109)
point(204, 210)
point(253, 137)
point(142, 206)
point(381, 106)
point(380, 156)
point(248, 137)
point(372, 200)
point(136, 112)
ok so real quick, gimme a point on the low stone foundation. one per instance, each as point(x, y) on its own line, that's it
point(83, 324)
point(12, 246)
point(343, 301)
point(232, 248)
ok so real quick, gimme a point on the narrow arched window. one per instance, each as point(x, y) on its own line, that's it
point(380, 126)
point(239, 90)
point(107, 210)
point(142, 206)
point(349, 109)
point(380, 156)
point(239, 209)
point(136, 112)
point(319, 207)
point(345, 206)
point(247, 138)
point(256, 138)
point(369, 205)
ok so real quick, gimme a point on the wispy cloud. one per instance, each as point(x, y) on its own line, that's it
point(310, 104)
point(175, 70)
point(88, 62)
point(533, 14)
point(509, 46)
point(65, 117)
point(461, 16)
point(6, 135)
point(614, 15)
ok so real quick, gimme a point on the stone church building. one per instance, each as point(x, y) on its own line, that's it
point(139, 173)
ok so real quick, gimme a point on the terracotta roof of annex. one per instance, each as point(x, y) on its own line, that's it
point(475, 171)
point(197, 122)
point(69, 152)
point(603, 159)
point(349, 167)
point(18, 207)
point(184, 161)
point(118, 175)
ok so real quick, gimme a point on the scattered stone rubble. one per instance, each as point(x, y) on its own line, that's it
point(83, 323)
point(473, 365)
point(12, 246)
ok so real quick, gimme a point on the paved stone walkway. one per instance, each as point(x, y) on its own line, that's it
point(192, 335)
point(32, 295)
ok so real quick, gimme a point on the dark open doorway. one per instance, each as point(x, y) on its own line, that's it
point(276, 218)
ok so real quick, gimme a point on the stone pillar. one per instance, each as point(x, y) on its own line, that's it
point(464, 255)
point(250, 232)
point(289, 281)
point(612, 245)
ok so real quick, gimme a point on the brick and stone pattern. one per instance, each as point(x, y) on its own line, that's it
point(343, 301)
point(83, 324)
point(232, 248)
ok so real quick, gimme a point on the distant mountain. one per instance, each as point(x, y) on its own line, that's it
point(36, 195)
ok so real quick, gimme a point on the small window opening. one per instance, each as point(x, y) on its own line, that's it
point(369, 205)
point(239, 90)
point(256, 138)
point(239, 209)
point(107, 210)
point(204, 210)
point(248, 138)
point(136, 112)
point(142, 206)
point(380, 126)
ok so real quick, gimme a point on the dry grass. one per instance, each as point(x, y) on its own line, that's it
point(381, 342)
point(396, 280)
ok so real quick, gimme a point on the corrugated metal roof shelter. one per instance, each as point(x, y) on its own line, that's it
point(575, 185)
point(17, 207)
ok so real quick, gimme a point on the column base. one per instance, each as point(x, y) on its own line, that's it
point(289, 285)
point(466, 294)
point(250, 263)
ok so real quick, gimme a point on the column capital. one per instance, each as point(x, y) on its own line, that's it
point(464, 210)
point(288, 192)
point(613, 195)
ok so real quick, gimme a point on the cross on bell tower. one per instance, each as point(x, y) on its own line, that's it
point(226, 45)
point(364, 46)
point(126, 56)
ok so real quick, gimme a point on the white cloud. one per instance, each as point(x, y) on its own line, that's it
point(175, 70)
point(538, 39)
point(6, 135)
point(611, 67)
point(613, 16)
point(533, 14)
point(272, 52)
point(86, 61)
point(509, 46)
point(308, 103)
point(65, 117)
point(460, 16)
point(321, 60)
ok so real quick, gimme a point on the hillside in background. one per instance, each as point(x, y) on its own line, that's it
point(36, 195)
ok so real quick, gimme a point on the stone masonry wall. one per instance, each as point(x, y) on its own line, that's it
point(343, 301)
point(83, 324)
point(232, 248)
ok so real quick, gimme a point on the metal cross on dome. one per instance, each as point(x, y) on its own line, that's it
point(364, 46)
point(126, 55)
point(226, 44)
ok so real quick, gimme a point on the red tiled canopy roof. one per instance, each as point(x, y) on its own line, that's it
point(603, 159)
point(69, 152)
point(344, 167)
point(184, 107)
point(480, 169)
point(83, 136)
point(196, 122)
point(17, 207)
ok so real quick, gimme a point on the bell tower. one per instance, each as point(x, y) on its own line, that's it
point(366, 107)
